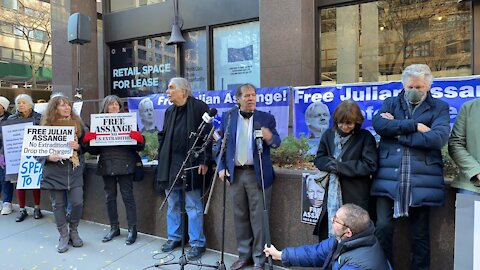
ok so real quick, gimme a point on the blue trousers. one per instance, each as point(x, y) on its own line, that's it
point(6, 187)
point(194, 209)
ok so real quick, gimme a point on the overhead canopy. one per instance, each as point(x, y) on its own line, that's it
point(13, 72)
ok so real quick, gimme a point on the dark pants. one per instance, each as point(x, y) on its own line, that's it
point(125, 182)
point(75, 196)
point(418, 218)
point(247, 199)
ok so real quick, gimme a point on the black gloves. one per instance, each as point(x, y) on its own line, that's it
point(332, 166)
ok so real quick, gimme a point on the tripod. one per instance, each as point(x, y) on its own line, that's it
point(221, 264)
point(182, 172)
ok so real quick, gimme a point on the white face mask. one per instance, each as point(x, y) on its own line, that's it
point(414, 95)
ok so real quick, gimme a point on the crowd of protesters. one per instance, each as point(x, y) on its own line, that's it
point(400, 177)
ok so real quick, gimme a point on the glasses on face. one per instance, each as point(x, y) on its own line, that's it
point(335, 220)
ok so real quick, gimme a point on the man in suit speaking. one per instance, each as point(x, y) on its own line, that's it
point(242, 166)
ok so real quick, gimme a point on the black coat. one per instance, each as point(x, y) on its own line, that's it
point(116, 160)
point(195, 109)
point(354, 169)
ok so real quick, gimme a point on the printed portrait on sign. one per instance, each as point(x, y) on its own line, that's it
point(313, 193)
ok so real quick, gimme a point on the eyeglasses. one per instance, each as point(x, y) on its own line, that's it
point(335, 219)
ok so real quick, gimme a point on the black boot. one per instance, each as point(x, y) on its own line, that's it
point(132, 235)
point(63, 240)
point(22, 215)
point(75, 239)
point(114, 231)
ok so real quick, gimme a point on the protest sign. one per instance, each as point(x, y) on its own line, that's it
point(41, 107)
point(12, 145)
point(29, 173)
point(113, 129)
point(313, 193)
point(48, 140)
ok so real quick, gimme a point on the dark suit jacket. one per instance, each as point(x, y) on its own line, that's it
point(266, 120)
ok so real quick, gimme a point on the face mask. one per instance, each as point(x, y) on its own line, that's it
point(414, 96)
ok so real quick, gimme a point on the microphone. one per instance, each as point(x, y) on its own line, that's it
point(207, 118)
point(257, 132)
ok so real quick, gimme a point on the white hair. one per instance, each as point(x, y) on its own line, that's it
point(417, 71)
point(182, 84)
point(24, 97)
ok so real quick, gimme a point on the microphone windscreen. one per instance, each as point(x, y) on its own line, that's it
point(212, 112)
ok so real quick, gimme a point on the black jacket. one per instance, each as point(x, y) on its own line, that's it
point(116, 160)
point(354, 170)
point(195, 109)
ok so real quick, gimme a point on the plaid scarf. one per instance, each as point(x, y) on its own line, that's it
point(403, 199)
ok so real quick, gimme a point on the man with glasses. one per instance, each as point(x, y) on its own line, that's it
point(354, 245)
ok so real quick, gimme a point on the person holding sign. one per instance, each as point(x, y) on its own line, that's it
point(117, 166)
point(25, 113)
point(5, 187)
point(64, 174)
point(349, 154)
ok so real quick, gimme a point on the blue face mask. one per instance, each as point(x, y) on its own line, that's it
point(414, 96)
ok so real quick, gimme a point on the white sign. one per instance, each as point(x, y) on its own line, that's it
point(113, 128)
point(12, 145)
point(48, 140)
point(29, 173)
point(41, 107)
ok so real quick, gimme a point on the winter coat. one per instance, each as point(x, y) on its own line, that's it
point(464, 145)
point(116, 160)
point(14, 119)
point(426, 170)
point(195, 109)
point(354, 170)
point(362, 251)
point(61, 175)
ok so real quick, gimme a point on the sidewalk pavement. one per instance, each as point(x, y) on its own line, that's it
point(31, 244)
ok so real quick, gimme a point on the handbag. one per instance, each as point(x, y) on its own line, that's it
point(139, 171)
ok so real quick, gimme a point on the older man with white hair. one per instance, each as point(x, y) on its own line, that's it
point(413, 127)
point(182, 118)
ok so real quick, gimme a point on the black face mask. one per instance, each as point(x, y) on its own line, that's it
point(341, 133)
point(246, 115)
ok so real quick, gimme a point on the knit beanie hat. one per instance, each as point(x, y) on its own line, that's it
point(4, 102)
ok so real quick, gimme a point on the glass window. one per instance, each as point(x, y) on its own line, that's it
point(134, 70)
point(119, 5)
point(18, 55)
point(11, 4)
point(6, 28)
point(375, 41)
point(196, 59)
point(6, 53)
point(236, 52)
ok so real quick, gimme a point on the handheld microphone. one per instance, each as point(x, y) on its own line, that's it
point(257, 132)
point(207, 118)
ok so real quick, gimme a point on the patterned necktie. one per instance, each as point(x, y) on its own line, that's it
point(242, 146)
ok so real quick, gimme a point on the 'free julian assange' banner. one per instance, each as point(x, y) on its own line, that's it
point(274, 100)
point(314, 105)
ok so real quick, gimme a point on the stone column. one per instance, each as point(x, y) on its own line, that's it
point(369, 41)
point(347, 44)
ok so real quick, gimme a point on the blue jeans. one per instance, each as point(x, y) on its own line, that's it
point(194, 207)
point(6, 187)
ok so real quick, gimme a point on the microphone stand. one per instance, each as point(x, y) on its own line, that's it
point(266, 223)
point(221, 264)
point(182, 261)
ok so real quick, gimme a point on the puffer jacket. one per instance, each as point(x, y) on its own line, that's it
point(426, 168)
point(359, 252)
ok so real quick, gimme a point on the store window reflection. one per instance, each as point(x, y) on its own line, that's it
point(136, 72)
point(375, 41)
point(196, 59)
point(236, 52)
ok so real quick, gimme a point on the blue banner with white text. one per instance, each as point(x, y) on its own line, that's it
point(314, 105)
point(274, 100)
